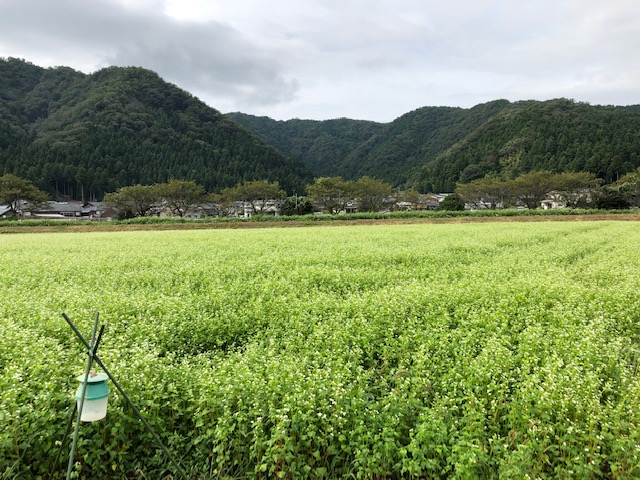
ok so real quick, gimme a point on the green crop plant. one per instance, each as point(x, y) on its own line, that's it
point(506, 350)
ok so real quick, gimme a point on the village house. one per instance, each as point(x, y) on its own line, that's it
point(72, 210)
point(7, 212)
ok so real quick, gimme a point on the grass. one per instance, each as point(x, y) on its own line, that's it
point(156, 223)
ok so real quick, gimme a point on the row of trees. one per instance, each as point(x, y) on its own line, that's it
point(335, 195)
point(181, 196)
point(178, 196)
point(332, 194)
point(570, 189)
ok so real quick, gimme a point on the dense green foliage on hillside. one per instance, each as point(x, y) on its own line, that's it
point(356, 148)
point(80, 136)
point(416, 137)
point(84, 135)
point(557, 135)
point(324, 146)
point(433, 148)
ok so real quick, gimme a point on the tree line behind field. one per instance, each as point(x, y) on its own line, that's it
point(180, 197)
point(330, 194)
point(334, 195)
point(571, 190)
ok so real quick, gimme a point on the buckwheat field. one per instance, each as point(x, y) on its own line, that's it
point(488, 350)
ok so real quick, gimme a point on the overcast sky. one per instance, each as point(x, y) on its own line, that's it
point(361, 59)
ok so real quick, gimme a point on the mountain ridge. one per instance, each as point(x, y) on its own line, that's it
point(434, 148)
point(79, 135)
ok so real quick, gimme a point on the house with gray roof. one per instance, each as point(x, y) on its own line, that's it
point(71, 210)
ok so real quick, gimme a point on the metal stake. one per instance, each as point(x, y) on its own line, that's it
point(91, 352)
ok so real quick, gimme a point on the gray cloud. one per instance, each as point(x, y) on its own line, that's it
point(210, 57)
point(370, 59)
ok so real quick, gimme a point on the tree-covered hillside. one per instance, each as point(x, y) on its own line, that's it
point(433, 148)
point(81, 136)
point(392, 152)
point(323, 146)
point(557, 135)
point(413, 139)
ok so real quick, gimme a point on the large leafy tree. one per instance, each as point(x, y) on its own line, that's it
point(135, 201)
point(180, 196)
point(612, 199)
point(372, 194)
point(257, 192)
point(452, 201)
point(487, 191)
point(20, 194)
point(630, 185)
point(531, 188)
point(575, 188)
point(331, 193)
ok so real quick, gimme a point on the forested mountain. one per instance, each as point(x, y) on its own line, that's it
point(354, 148)
point(407, 143)
point(80, 136)
point(432, 148)
point(557, 135)
point(324, 146)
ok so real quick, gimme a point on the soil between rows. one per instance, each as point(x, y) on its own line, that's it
point(117, 227)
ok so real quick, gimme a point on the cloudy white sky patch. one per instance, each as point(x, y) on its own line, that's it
point(364, 59)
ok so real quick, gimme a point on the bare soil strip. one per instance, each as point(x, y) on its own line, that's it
point(116, 227)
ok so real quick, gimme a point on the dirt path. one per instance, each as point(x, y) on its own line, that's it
point(112, 227)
